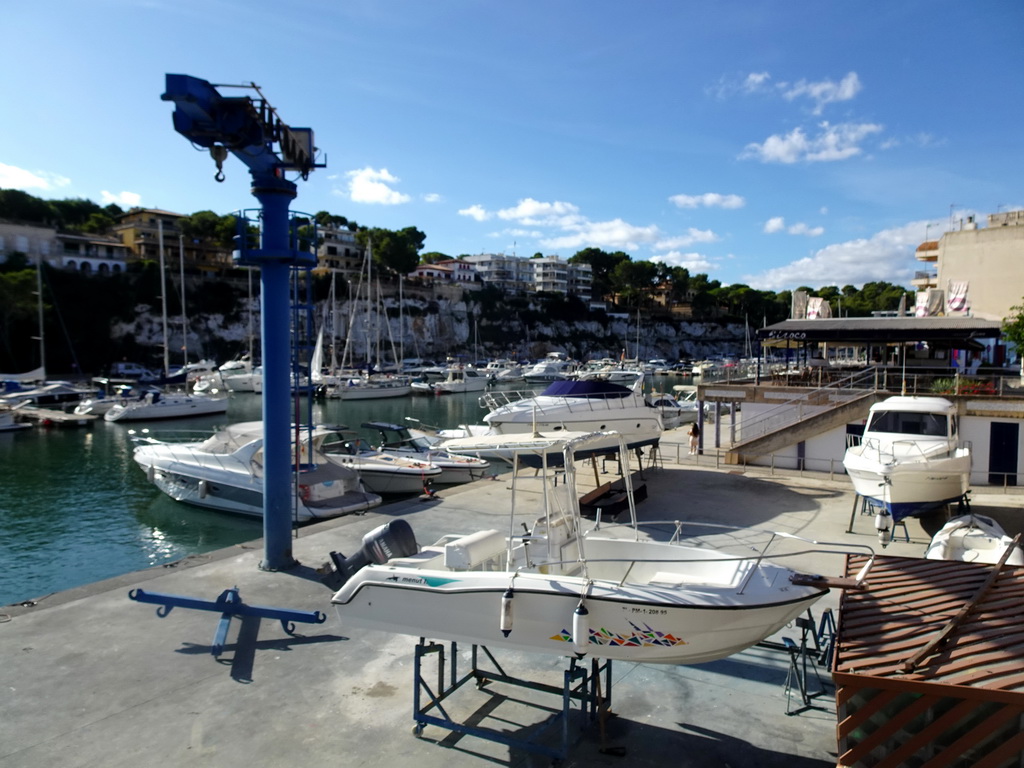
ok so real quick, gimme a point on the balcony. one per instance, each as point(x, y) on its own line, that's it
point(925, 280)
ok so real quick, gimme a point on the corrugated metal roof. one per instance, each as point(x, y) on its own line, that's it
point(908, 604)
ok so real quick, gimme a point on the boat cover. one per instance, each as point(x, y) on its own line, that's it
point(586, 388)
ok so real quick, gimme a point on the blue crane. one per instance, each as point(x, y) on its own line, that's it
point(251, 130)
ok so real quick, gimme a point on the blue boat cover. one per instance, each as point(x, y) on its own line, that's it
point(586, 388)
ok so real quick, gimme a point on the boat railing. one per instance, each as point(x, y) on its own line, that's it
point(761, 552)
point(798, 408)
point(144, 435)
point(913, 449)
point(494, 400)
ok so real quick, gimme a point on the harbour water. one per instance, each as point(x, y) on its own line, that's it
point(75, 508)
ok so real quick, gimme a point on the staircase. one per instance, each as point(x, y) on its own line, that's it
point(790, 422)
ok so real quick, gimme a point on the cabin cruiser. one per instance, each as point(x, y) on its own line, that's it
point(154, 404)
point(910, 459)
point(381, 472)
point(397, 440)
point(225, 472)
point(375, 386)
point(455, 380)
point(586, 404)
point(608, 591)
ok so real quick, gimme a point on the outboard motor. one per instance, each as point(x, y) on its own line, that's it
point(393, 539)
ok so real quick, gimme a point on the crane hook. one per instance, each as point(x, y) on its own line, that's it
point(219, 153)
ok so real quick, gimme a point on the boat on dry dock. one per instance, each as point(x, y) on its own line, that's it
point(559, 588)
point(910, 459)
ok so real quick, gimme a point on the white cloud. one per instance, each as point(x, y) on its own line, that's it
point(708, 200)
point(475, 212)
point(823, 92)
point(755, 81)
point(802, 229)
point(681, 241)
point(833, 142)
point(885, 256)
point(778, 224)
point(694, 262)
point(12, 177)
point(369, 185)
point(533, 213)
point(432, 197)
point(130, 199)
point(614, 235)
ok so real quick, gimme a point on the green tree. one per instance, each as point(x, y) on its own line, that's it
point(209, 226)
point(432, 257)
point(397, 252)
point(1013, 332)
point(601, 264)
point(16, 205)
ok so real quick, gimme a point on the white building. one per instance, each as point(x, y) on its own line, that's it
point(82, 252)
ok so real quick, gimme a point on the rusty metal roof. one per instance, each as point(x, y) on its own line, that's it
point(889, 631)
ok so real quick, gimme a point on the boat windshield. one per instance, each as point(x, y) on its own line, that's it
point(909, 423)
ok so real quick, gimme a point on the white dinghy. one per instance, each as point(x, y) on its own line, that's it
point(558, 589)
point(973, 539)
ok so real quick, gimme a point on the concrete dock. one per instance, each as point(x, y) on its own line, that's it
point(89, 677)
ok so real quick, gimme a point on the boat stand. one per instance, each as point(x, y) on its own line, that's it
point(580, 684)
point(871, 507)
point(815, 649)
point(229, 604)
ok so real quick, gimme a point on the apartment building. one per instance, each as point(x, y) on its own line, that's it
point(974, 270)
point(549, 273)
point(82, 252)
point(144, 230)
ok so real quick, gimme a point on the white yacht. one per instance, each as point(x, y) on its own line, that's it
point(381, 472)
point(225, 473)
point(457, 379)
point(910, 459)
point(154, 404)
point(590, 403)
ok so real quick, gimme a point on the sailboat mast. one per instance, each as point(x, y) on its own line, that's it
point(39, 309)
point(184, 315)
point(163, 293)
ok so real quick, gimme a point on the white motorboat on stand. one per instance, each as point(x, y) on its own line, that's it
point(910, 459)
point(560, 589)
point(225, 472)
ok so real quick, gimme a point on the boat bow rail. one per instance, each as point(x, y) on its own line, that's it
point(755, 548)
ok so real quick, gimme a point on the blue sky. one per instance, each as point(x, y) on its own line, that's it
point(776, 144)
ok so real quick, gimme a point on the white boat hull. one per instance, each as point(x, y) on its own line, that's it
point(170, 407)
point(652, 623)
point(909, 488)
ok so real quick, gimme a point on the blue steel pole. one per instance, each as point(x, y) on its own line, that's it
point(275, 195)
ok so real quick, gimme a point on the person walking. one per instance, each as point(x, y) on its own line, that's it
point(694, 438)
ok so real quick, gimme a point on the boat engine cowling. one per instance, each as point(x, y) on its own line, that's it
point(393, 539)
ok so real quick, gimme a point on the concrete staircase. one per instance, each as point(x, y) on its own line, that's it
point(850, 409)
